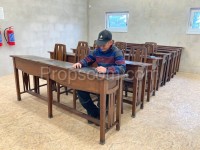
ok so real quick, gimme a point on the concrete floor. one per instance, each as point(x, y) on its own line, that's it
point(170, 121)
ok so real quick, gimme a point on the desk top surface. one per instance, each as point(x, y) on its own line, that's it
point(160, 53)
point(44, 60)
point(154, 57)
point(68, 66)
point(134, 63)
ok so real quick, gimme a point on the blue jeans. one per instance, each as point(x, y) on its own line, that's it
point(88, 104)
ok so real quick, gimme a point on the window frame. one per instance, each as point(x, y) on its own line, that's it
point(191, 30)
point(114, 29)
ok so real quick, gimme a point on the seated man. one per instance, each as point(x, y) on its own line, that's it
point(109, 60)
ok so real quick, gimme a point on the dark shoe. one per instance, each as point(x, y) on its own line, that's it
point(90, 122)
point(98, 104)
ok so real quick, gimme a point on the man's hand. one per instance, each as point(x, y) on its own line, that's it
point(101, 69)
point(77, 65)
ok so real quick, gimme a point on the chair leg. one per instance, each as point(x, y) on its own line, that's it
point(149, 86)
point(126, 90)
point(66, 91)
point(54, 86)
point(58, 92)
point(122, 108)
point(134, 98)
point(142, 105)
point(74, 98)
point(36, 84)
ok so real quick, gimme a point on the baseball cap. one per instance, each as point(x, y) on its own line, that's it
point(104, 37)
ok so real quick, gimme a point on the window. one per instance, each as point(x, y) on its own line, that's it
point(117, 21)
point(194, 21)
point(1, 13)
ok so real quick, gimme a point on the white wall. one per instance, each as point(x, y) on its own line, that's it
point(39, 24)
point(164, 22)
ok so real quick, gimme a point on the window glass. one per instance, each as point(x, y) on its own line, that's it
point(194, 21)
point(117, 21)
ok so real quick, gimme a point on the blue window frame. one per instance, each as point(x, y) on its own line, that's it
point(194, 21)
point(117, 21)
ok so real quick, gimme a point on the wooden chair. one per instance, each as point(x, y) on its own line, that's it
point(81, 52)
point(138, 54)
point(129, 45)
point(94, 46)
point(82, 43)
point(152, 70)
point(60, 54)
point(151, 47)
point(121, 46)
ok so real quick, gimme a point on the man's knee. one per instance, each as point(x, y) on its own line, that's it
point(84, 97)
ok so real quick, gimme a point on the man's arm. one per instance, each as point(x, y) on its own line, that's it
point(89, 60)
point(120, 65)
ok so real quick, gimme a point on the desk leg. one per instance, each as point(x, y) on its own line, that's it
point(155, 81)
point(149, 85)
point(102, 111)
point(17, 83)
point(135, 92)
point(160, 68)
point(50, 97)
point(119, 103)
point(144, 80)
point(36, 84)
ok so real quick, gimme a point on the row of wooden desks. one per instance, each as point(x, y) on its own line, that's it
point(167, 67)
point(63, 73)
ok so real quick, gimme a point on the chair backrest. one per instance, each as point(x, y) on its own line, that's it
point(137, 53)
point(82, 43)
point(128, 45)
point(151, 47)
point(94, 46)
point(60, 52)
point(81, 53)
point(121, 46)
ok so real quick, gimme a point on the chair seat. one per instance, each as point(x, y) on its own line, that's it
point(128, 80)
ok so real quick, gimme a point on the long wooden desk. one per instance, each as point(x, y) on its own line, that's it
point(163, 70)
point(152, 74)
point(173, 62)
point(173, 48)
point(138, 72)
point(63, 73)
point(157, 65)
